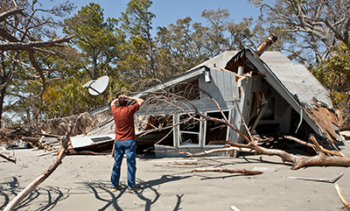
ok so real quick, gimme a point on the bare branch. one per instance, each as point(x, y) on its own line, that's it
point(231, 171)
point(30, 45)
point(342, 199)
point(8, 13)
point(340, 154)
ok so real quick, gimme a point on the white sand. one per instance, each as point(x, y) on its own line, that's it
point(82, 183)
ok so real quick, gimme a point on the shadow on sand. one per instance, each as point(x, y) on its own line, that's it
point(101, 188)
point(52, 195)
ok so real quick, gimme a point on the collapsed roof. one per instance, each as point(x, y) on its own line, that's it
point(293, 82)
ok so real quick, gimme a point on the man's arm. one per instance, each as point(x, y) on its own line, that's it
point(137, 100)
point(114, 102)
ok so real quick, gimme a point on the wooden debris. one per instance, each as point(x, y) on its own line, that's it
point(85, 152)
point(47, 143)
point(345, 134)
point(320, 179)
point(13, 160)
point(242, 171)
point(342, 199)
point(325, 121)
point(186, 163)
point(177, 162)
point(228, 149)
point(336, 153)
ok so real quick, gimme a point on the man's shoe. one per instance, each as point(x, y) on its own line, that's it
point(136, 188)
point(116, 188)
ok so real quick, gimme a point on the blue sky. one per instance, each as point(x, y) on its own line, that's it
point(168, 11)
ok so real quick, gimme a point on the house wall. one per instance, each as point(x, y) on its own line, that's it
point(224, 89)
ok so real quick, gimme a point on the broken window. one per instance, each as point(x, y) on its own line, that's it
point(158, 122)
point(189, 132)
point(216, 131)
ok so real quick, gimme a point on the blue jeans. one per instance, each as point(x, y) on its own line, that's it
point(129, 148)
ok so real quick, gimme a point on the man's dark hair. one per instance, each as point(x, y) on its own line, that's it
point(122, 101)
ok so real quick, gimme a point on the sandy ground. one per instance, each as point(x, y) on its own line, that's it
point(82, 183)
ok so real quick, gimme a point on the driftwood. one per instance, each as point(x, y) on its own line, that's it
point(177, 163)
point(333, 180)
point(239, 149)
point(85, 152)
point(232, 171)
point(342, 199)
point(13, 160)
point(44, 175)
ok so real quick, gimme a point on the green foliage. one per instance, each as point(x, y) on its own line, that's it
point(136, 21)
point(100, 41)
point(124, 49)
point(334, 74)
point(66, 98)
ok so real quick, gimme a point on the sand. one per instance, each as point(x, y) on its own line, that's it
point(82, 183)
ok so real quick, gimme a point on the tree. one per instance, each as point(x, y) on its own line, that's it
point(216, 29)
point(314, 26)
point(137, 23)
point(180, 47)
point(100, 41)
point(334, 74)
point(185, 44)
point(24, 27)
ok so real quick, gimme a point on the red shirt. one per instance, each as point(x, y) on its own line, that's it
point(124, 121)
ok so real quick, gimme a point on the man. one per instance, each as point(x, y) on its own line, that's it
point(125, 139)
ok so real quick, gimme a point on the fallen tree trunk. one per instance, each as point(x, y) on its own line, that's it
point(300, 161)
point(321, 159)
point(44, 175)
point(232, 171)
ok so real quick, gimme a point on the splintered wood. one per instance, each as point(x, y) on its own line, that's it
point(325, 121)
point(47, 143)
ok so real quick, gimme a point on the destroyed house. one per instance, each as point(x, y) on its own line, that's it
point(274, 96)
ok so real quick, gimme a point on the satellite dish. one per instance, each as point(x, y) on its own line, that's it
point(97, 87)
point(88, 84)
